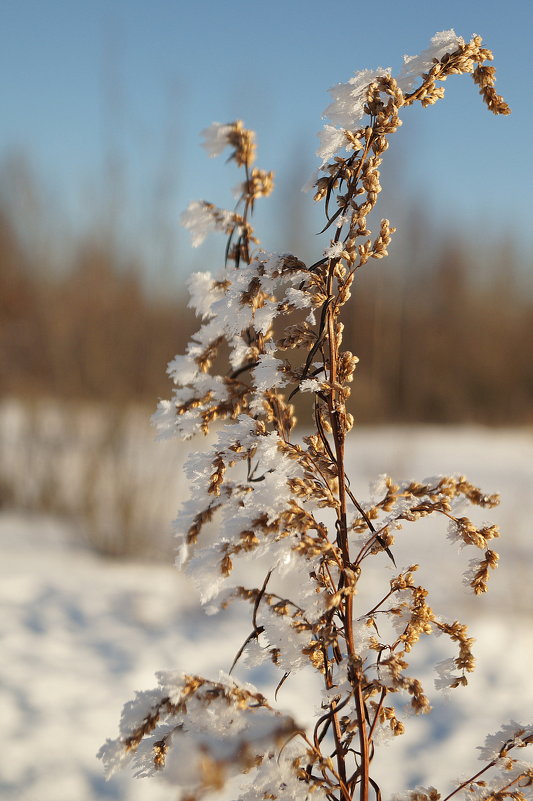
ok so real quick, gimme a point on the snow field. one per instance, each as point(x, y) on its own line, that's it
point(81, 634)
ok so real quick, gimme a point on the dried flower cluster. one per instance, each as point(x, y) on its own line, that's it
point(271, 327)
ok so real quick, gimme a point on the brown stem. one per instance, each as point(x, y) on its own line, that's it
point(503, 751)
point(471, 779)
point(376, 716)
point(342, 541)
point(360, 706)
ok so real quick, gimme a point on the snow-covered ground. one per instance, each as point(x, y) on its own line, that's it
point(80, 633)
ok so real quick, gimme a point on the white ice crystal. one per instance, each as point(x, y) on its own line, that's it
point(298, 298)
point(216, 138)
point(378, 488)
point(276, 778)
point(347, 109)
point(334, 250)
point(290, 643)
point(331, 141)
point(414, 67)
point(362, 637)
point(267, 374)
point(265, 496)
point(454, 535)
point(310, 385)
point(255, 654)
point(445, 675)
point(182, 369)
point(199, 219)
point(203, 293)
point(164, 420)
point(349, 99)
point(224, 721)
point(222, 304)
point(509, 733)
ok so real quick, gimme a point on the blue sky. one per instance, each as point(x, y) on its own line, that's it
point(98, 87)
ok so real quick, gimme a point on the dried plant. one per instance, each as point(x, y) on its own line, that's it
point(287, 506)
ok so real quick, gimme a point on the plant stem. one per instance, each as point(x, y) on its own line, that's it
point(342, 541)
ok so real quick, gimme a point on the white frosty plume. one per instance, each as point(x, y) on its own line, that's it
point(349, 98)
point(441, 43)
point(347, 109)
point(200, 220)
point(216, 138)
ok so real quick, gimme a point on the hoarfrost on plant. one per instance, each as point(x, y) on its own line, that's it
point(349, 99)
point(216, 138)
point(414, 67)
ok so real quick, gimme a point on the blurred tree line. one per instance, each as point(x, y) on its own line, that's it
point(441, 335)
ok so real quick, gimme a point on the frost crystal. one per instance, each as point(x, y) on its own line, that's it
point(216, 138)
point(194, 733)
point(255, 654)
point(229, 309)
point(310, 385)
point(267, 374)
point(445, 675)
point(414, 66)
point(202, 218)
point(347, 108)
point(331, 141)
point(203, 293)
point(287, 640)
point(198, 220)
point(276, 779)
point(349, 99)
point(334, 250)
point(509, 734)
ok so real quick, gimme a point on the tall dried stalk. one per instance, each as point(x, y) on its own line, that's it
point(289, 506)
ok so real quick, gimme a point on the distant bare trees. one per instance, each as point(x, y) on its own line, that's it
point(93, 331)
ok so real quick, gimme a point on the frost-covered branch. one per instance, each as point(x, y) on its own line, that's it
point(292, 537)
